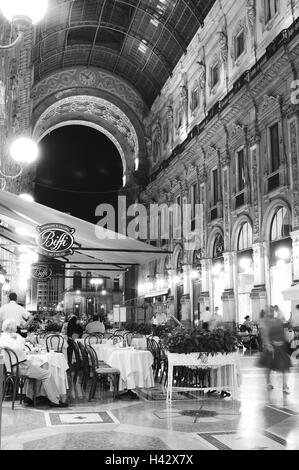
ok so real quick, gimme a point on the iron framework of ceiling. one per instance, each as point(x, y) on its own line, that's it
point(138, 40)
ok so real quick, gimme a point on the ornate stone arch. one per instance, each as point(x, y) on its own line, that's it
point(269, 214)
point(243, 219)
point(212, 238)
point(95, 112)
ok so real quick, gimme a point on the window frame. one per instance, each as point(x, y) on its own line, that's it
point(270, 147)
point(215, 187)
point(240, 33)
point(215, 66)
point(240, 189)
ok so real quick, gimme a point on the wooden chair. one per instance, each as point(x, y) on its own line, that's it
point(12, 377)
point(55, 342)
point(100, 373)
point(93, 338)
point(77, 366)
point(85, 365)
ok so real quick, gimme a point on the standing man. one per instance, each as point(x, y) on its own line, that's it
point(206, 318)
point(13, 311)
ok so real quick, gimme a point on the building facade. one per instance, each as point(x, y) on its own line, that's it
point(224, 133)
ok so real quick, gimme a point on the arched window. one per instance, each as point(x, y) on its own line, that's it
point(218, 249)
point(77, 281)
point(245, 237)
point(281, 226)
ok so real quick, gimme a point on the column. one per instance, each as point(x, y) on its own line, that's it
point(295, 240)
point(259, 292)
point(228, 296)
point(186, 301)
point(204, 299)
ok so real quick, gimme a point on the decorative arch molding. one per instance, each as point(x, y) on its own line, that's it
point(269, 214)
point(93, 78)
point(94, 126)
point(217, 230)
point(243, 219)
point(95, 112)
point(176, 253)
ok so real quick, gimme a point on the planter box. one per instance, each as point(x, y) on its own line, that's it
point(202, 359)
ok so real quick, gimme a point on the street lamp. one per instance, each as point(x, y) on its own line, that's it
point(22, 14)
point(23, 150)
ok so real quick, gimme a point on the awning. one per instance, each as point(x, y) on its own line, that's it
point(95, 247)
point(292, 293)
point(156, 294)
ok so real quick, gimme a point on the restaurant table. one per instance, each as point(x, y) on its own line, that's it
point(57, 365)
point(225, 371)
point(135, 366)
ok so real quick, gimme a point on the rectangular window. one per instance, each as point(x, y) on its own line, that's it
point(165, 134)
point(239, 44)
point(194, 199)
point(194, 99)
point(240, 171)
point(215, 188)
point(215, 75)
point(274, 148)
point(116, 284)
point(177, 218)
point(271, 8)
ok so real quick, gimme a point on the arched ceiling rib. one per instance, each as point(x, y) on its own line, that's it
point(139, 40)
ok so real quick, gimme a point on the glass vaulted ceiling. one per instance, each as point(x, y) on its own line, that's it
point(139, 40)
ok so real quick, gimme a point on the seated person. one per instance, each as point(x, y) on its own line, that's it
point(12, 340)
point(247, 325)
point(74, 330)
point(96, 326)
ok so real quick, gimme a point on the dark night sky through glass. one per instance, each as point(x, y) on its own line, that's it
point(79, 159)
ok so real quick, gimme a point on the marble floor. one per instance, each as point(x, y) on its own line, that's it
point(256, 421)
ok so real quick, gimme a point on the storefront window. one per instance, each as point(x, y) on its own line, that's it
point(281, 224)
point(218, 273)
point(245, 272)
point(280, 259)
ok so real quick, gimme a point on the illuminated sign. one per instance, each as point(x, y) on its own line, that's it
point(56, 240)
point(40, 272)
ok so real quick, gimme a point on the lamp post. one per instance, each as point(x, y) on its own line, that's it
point(22, 14)
point(97, 282)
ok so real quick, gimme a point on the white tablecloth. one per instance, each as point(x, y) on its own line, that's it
point(57, 365)
point(135, 366)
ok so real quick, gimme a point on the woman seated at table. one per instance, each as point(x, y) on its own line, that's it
point(96, 326)
point(74, 330)
point(12, 340)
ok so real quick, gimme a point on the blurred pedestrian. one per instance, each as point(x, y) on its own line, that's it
point(275, 356)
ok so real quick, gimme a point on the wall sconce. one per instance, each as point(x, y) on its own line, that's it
point(22, 14)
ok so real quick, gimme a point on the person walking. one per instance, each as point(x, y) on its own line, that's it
point(275, 356)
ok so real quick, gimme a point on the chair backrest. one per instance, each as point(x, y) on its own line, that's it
point(93, 358)
point(93, 338)
point(55, 342)
point(116, 339)
point(84, 355)
point(74, 348)
point(28, 347)
point(11, 360)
